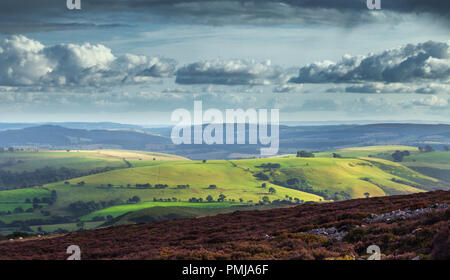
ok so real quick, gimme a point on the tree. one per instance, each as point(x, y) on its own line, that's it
point(263, 185)
point(80, 224)
point(428, 149)
point(265, 199)
point(261, 176)
point(272, 190)
point(204, 161)
point(398, 155)
point(367, 194)
point(446, 148)
point(134, 199)
point(336, 155)
point(18, 210)
point(292, 181)
point(209, 198)
point(221, 198)
point(213, 187)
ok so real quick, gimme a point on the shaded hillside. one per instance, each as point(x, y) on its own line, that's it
point(60, 137)
point(285, 233)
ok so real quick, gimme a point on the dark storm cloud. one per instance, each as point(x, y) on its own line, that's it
point(28, 16)
point(411, 63)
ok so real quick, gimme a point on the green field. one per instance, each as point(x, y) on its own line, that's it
point(383, 152)
point(354, 177)
point(231, 181)
point(159, 213)
point(115, 211)
point(20, 195)
point(84, 160)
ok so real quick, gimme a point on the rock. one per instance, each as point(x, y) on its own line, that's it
point(417, 258)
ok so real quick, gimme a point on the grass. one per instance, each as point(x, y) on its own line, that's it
point(22, 217)
point(4, 207)
point(330, 175)
point(383, 152)
point(20, 195)
point(83, 160)
point(435, 164)
point(118, 210)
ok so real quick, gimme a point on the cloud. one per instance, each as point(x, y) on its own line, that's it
point(378, 88)
point(44, 15)
point(288, 88)
point(230, 72)
point(432, 101)
point(434, 88)
point(410, 63)
point(26, 62)
point(383, 88)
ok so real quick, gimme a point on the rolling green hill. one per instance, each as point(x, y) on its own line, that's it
point(233, 182)
point(339, 178)
point(160, 180)
point(84, 160)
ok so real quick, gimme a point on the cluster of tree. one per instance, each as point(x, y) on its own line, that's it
point(398, 155)
point(269, 165)
point(81, 208)
point(134, 199)
point(302, 185)
point(261, 176)
point(8, 150)
point(305, 154)
point(212, 187)
point(183, 186)
point(143, 186)
point(149, 186)
point(426, 149)
point(194, 199)
point(25, 179)
point(173, 199)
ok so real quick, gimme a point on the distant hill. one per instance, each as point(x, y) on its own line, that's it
point(52, 136)
point(157, 139)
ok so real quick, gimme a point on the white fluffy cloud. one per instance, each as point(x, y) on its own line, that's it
point(26, 62)
point(230, 72)
point(410, 63)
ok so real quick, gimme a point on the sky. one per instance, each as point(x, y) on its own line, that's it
point(135, 61)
